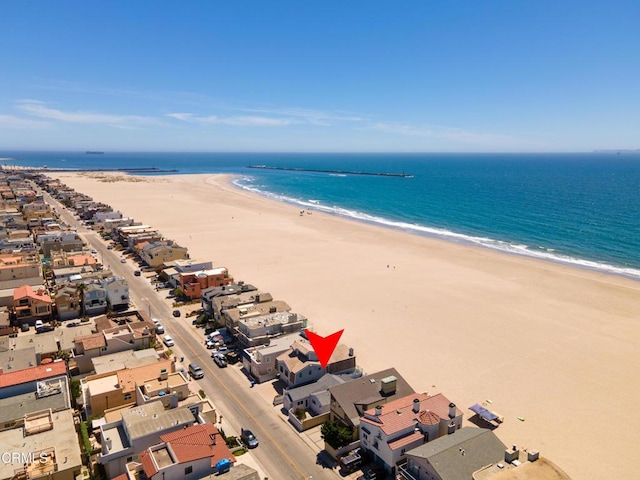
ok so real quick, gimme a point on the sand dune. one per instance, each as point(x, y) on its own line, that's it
point(555, 345)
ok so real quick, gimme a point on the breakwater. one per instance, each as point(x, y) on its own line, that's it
point(336, 172)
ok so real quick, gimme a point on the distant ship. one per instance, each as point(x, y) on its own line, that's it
point(94, 153)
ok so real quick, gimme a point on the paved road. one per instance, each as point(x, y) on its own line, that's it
point(282, 453)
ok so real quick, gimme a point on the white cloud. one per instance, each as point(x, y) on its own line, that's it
point(11, 121)
point(234, 120)
point(40, 110)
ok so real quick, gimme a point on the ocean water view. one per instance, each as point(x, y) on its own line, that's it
point(581, 209)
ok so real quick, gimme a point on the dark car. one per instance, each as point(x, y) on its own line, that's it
point(45, 328)
point(176, 313)
point(137, 273)
point(72, 324)
point(248, 438)
point(24, 327)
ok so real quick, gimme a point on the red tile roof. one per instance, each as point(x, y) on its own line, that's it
point(196, 442)
point(27, 292)
point(39, 372)
point(399, 415)
point(148, 465)
point(429, 418)
point(95, 340)
point(408, 440)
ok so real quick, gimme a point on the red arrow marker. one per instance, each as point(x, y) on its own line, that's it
point(323, 346)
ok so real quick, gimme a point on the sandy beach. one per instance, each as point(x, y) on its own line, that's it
point(555, 345)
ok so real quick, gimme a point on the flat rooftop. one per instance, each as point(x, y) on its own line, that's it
point(128, 359)
point(153, 418)
point(15, 407)
point(62, 440)
point(103, 385)
point(173, 380)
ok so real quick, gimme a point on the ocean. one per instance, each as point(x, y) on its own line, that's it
point(581, 209)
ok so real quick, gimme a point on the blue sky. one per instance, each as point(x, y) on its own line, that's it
point(415, 76)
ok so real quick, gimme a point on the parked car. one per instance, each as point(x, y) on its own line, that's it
point(223, 350)
point(196, 371)
point(45, 328)
point(210, 344)
point(137, 273)
point(123, 260)
point(72, 324)
point(109, 247)
point(220, 360)
point(168, 341)
point(176, 313)
point(94, 251)
point(39, 324)
point(248, 438)
point(24, 327)
point(159, 328)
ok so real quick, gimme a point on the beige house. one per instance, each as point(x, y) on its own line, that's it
point(158, 253)
point(68, 303)
point(19, 267)
point(115, 389)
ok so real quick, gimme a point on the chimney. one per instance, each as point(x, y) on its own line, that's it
point(378, 410)
point(533, 455)
point(351, 352)
point(416, 405)
point(452, 410)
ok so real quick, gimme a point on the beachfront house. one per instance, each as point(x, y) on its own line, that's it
point(300, 366)
point(459, 455)
point(314, 400)
point(212, 295)
point(261, 361)
point(157, 253)
point(259, 330)
point(192, 283)
point(351, 399)
point(388, 431)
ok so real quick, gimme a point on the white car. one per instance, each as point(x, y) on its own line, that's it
point(39, 324)
point(155, 321)
point(159, 328)
point(168, 341)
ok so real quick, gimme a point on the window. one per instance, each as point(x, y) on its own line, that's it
point(188, 470)
point(129, 459)
point(127, 396)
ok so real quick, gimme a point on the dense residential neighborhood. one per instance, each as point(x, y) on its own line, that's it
point(102, 391)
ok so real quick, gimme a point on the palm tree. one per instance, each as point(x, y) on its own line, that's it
point(80, 289)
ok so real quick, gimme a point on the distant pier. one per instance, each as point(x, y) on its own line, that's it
point(339, 172)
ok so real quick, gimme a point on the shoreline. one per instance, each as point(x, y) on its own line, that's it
point(542, 340)
point(453, 237)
